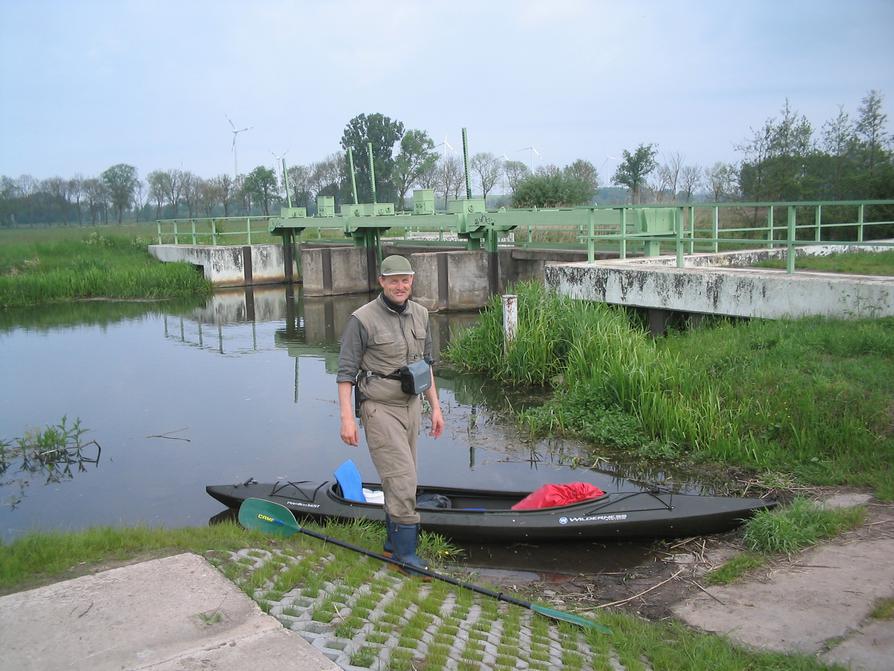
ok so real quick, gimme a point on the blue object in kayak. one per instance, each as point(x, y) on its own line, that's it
point(348, 478)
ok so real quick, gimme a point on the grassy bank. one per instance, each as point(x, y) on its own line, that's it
point(854, 263)
point(343, 589)
point(810, 397)
point(51, 268)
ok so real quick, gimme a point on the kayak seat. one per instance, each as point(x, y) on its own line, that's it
point(348, 478)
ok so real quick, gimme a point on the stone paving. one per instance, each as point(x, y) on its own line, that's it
point(393, 622)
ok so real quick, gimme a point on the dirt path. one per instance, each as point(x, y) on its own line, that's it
point(817, 602)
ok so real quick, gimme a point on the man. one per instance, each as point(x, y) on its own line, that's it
point(382, 337)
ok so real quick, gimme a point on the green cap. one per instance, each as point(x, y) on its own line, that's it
point(395, 265)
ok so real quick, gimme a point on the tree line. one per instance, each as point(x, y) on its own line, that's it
point(783, 159)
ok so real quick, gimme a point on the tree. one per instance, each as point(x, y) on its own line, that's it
point(777, 158)
point(208, 195)
point(634, 168)
point(417, 155)
point(96, 195)
point(429, 178)
point(121, 182)
point(574, 185)
point(690, 180)
point(383, 133)
point(158, 188)
point(839, 144)
point(585, 172)
point(224, 188)
point(721, 179)
point(870, 130)
point(190, 190)
point(76, 189)
point(262, 183)
point(488, 168)
point(515, 172)
point(326, 177)
point(299, 185)
point(451, 178)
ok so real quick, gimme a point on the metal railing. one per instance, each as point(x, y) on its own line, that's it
point(213, 230)
point(714, 235)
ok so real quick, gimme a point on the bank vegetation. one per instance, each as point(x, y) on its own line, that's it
point(808, 398)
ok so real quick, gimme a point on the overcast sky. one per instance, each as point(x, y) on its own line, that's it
point(87, 84)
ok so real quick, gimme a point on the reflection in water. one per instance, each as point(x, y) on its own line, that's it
point(52, 455)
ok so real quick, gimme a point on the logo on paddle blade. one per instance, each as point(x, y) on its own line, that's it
point(266, 518)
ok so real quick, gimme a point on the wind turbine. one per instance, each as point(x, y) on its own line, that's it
point(447, 148)
point(533, 151)
point(235, 134)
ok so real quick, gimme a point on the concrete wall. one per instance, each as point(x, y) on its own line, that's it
point(230, 265)
point(332, 271)
point(450, 280)
point(711, 285)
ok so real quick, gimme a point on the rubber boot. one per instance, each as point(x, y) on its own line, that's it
point(404, 539)
point(388, 545)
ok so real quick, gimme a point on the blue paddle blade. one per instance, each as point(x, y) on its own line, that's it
point(268, 517)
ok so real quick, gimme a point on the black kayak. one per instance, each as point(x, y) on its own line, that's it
point(486, 516)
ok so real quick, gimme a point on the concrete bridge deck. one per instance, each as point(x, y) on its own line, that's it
point(726, 284)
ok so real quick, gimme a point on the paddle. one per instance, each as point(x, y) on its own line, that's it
point(278, 520)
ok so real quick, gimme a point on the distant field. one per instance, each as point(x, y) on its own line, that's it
point(854, 263)
point(144, 230)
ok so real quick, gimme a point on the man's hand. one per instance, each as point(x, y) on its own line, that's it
point(437, 422)
point(350, 434)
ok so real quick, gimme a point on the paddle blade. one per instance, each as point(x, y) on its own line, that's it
point(268, 517)
point(569, 617)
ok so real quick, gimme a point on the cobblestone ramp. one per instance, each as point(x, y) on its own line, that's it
point(393, 622)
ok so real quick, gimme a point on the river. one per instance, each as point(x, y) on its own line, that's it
point(173, 398)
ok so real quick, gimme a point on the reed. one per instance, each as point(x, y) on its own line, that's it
point(810, 397)
point(97, 266)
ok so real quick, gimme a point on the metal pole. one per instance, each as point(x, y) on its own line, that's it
point(466, 164)
point(372, 170)
point(285, 182)
point(860, 223)
point(678, 229)
point(591, 243)
point(790, 252)
point(351, 170)
point(623, 254)
point(715, 229)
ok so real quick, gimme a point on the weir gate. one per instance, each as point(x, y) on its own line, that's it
point(466, 253)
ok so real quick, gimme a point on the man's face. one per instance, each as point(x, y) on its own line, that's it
point(396, 287)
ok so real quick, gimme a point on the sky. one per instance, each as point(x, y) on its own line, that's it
point(90, 83)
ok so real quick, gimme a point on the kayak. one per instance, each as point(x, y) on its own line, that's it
point(486, 516)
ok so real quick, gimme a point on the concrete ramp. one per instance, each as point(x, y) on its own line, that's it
point(172, 613)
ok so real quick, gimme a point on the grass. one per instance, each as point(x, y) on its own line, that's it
point(809, 397)
point(795, 527)
point(97, 266)
point(799, 525)
point(854, 263)
point(735, 568)
point(883, 610)
point(40, 557)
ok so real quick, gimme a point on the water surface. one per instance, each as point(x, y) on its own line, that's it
point(243, 386)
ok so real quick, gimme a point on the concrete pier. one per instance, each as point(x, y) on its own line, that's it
point(231, 265)
point(713, 284)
